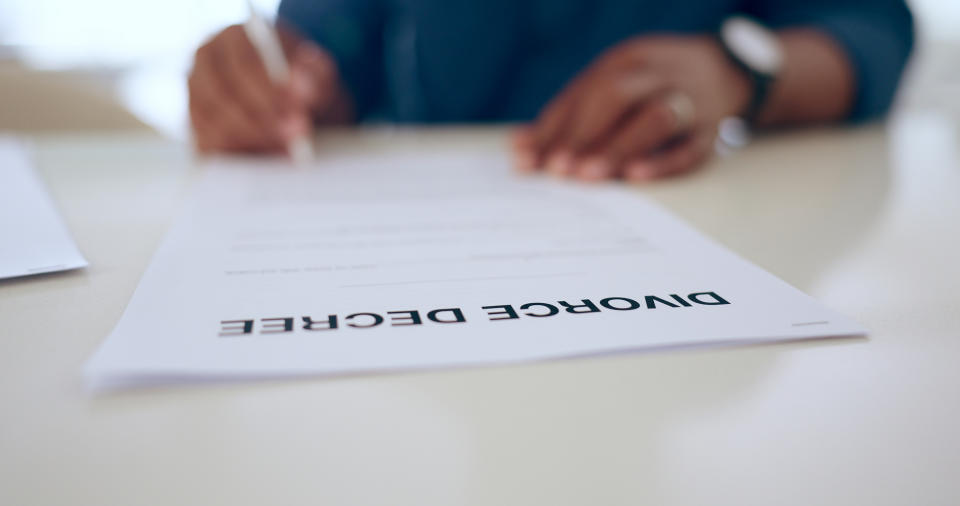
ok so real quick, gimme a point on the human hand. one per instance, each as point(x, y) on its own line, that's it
point(235, 107)
point(645, 109)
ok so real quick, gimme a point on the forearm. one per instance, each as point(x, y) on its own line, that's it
point(817, 83)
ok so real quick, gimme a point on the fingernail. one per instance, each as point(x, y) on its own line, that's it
point(560, 164)
point(311, 61)
point(522, 138)
point(294, 126)
point(524, 161)
point(300, 84)
point(639, 171)
point(594, 169)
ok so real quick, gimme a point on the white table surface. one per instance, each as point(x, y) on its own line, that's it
point(865, 219)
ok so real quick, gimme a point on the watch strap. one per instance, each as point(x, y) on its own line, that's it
point(760, 82)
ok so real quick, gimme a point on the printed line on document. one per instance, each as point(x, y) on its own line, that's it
point(804, 324)
point(455, 280)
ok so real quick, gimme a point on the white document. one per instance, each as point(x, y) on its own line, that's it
point(393, 262)
point(33, 238)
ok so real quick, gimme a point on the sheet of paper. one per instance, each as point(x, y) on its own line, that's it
point(387, 262)
point(33, 238)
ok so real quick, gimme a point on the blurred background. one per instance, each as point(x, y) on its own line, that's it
point(121, 64)
point(104, 64)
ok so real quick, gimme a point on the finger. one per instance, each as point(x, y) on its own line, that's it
point(216, 114)
point(555, 116)
point(549, 125)
point(219, 122)
point(604, 110)
point(239, 123)
point(195, 81)
point(560, 163)
point(313, 71)
point(650, 127)
point(679, 158)
point(313, 77)
point(523, 149)
point(522, 138)
point(247, 77)
point(596, 168)
point(211, 134)
point(215, 117)
point(202, 128)
point(312, 93)
point(550, 128)
point(290, 37)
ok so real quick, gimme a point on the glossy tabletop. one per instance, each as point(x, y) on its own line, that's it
point(864, 219)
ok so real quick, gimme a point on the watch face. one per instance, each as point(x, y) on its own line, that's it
point(753, 44)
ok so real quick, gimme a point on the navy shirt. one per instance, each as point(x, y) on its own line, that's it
point(503, 60)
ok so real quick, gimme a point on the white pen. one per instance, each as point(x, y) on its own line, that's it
point(264, 39)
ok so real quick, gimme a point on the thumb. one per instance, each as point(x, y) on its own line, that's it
point(312, 72)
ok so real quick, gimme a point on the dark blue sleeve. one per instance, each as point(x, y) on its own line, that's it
point(351, 31)
point(877, 36)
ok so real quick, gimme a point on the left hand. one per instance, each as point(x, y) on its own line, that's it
point(647, 108)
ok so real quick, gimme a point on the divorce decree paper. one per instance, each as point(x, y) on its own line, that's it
point(396, 261)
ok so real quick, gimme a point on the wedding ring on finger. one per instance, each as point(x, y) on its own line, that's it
point(681, 105)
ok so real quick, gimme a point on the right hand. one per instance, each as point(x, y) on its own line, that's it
point(235, 107)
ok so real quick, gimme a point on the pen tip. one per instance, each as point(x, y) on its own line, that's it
point(301, 150)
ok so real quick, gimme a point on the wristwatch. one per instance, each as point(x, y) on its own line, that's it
point(756, 50)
